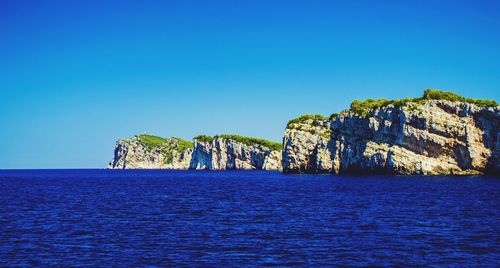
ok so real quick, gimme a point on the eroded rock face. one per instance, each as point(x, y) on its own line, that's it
point(307, 147)
point(223, 154)
point(434, 137)
point(219, 154)
point(426, 137)
point(133, 154)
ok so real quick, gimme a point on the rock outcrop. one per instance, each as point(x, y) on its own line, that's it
point(138, 153)
point(222, 154)
point(214, 153)
point(437, 134)
point(428, 137)
point(307, 146)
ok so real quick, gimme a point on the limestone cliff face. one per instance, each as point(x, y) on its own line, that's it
point(216, 154)
point(133, 153)
point(431, 137)
point(439, 133)
point(222, 154)
point(307, 147)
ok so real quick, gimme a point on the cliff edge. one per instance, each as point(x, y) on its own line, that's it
point(151, 152)
point(221, 152)
point(440, 133)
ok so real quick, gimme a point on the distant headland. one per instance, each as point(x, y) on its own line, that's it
point(439, 133)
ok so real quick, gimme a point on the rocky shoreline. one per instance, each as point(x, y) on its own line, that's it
point(438, 134)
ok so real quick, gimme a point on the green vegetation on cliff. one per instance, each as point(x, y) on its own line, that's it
point(273, 146)
point(312, 123)
point(166, 145)
point(306, 117)
point(431, 94)
point(151, 141)
point(332, 116)
point(204, 138)
point(363, 108)
point(183, 145)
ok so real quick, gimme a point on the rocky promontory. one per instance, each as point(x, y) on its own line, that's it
point(437, 134)
point(221, 152)
point(235, 152)
point(151, 152)
point(440, 133)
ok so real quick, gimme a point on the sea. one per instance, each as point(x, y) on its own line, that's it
point(166, 218)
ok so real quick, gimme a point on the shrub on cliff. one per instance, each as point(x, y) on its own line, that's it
point(274, 146)
point(306, 117)
point(183, 145)
point(363, 108)
point(151, 141)
point(204, 138)
point(165, 144)
point(432, 94)
point(333, 116)
point(241, 139)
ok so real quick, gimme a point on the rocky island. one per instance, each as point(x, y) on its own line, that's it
point(439, 133)
point(220, 152)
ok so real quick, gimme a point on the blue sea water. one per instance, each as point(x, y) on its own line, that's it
point(103, 218)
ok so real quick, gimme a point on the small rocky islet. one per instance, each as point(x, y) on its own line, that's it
point(440, 133)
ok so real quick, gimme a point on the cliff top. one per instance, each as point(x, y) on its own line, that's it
point(274, 146)
point(158, 142)
point(363, 108)
point(315, 124)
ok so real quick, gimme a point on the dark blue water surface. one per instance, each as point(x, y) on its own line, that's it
point(234, 218)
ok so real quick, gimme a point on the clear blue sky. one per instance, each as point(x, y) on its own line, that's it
point(77, 75)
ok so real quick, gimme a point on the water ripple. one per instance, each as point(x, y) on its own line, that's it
point(178, 218)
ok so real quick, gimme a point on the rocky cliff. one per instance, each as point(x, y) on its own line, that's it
point(220, 153)
point(439, 133)
point(413, 136)
point(216, 153)
point(308, 146)
point(151, 152)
